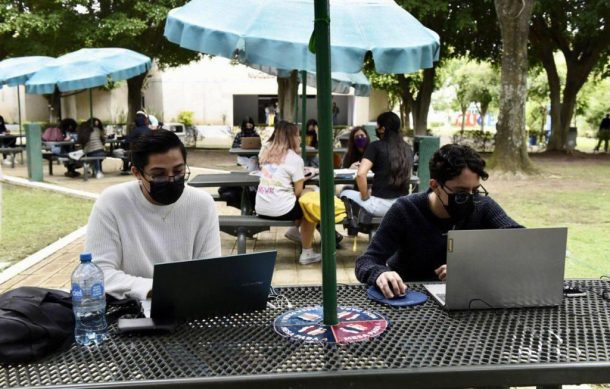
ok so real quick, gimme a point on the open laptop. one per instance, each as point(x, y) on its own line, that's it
point(205, 287)
point(250, 143)
point(504, 268)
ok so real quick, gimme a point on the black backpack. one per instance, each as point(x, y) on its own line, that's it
point(33, 323)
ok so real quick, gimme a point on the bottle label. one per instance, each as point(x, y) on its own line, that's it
point(97, 291)
point(77, 293)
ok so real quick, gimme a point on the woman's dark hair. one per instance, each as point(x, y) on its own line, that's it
point(314, 135)
point(244, 122)
point(68, 125)
point(2, 125)
point(84, 131)
point(353, 154)
point(154, 142)
point(450, 160)
point(399, 152)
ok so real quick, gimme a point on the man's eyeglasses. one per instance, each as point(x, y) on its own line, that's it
point(462, 197)
point(162, 179)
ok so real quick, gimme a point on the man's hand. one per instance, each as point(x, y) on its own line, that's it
point(391, 284)
point(441, 272)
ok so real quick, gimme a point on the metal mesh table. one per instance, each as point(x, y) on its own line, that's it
point(425, 346)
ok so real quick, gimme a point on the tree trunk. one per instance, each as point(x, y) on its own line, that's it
point(463, 120)
point(287, 95)
point(421, 105)
point(510, 153)
point(134, 98)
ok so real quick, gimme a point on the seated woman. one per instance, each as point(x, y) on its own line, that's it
point(281, 184)
point(248, 130)
point(356, 145)
point(391, 159)
point(91, 138)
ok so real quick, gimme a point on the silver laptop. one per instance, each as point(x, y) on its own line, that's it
point(505, 268)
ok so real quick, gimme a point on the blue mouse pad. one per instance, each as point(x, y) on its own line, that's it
point(412, 297)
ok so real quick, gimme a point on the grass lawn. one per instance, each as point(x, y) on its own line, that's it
point(32, 219)
point(569, 191)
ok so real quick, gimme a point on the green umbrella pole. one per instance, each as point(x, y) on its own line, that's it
point(90, 106)
point(304, 111)
point(327, 188)
point(19, 113)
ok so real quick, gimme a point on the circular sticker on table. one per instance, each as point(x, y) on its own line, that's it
point(411, 297)
point(355, 325)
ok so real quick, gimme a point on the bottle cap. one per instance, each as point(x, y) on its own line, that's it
point(85, 257)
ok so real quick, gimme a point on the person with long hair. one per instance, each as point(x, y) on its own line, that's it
point(356, 145)
point(91, 138)
point(281, 184)
point(391, 159)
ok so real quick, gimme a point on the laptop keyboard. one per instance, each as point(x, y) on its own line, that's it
point(441, 296)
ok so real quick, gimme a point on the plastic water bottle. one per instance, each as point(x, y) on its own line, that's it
point(89, 302)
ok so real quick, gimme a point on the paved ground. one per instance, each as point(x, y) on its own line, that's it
point(54, 271)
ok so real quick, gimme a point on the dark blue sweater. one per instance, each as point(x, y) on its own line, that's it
point(412, 241)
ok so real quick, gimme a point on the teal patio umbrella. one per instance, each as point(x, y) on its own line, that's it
point(279, 34)
point(16, 71)
point(86, 69)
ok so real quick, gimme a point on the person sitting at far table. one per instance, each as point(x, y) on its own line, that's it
point(411, 242)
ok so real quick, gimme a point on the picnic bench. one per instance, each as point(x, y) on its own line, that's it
point(12, 151)
point(87, 164)
point(246, 226)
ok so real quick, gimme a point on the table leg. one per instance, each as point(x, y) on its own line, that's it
point(241, 241)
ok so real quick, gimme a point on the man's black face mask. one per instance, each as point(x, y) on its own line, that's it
point(166, 192)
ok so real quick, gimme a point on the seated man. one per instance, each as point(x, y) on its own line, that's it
point(155, 219)
point(411, 242)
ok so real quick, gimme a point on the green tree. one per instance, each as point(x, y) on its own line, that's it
point(136, 25)
point(580, 30)
point(510, 152)
point(537, 101)
point(465, 28)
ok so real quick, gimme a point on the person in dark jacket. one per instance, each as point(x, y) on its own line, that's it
point(141, 128)
point(411, 242)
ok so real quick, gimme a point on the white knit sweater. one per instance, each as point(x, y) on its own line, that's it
point(127, 235)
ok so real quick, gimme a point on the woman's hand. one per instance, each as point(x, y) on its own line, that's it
point(390, 284)
point(355, 165)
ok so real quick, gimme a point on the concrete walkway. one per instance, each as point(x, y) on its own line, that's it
point(54, 270)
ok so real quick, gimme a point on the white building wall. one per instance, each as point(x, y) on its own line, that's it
point(205, 87)
point(34, 108)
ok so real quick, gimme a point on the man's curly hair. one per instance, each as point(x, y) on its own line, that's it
point(449, 161)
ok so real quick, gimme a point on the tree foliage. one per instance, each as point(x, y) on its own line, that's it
point(580, 30)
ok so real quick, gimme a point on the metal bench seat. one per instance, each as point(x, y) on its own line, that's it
point(86, 161)
point(243, 226)
point(12, 151)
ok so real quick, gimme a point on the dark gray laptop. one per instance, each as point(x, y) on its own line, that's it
point(215, 286)
point(505, 268)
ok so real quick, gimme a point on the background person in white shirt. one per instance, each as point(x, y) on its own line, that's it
point(281, 185)
point(155, 219)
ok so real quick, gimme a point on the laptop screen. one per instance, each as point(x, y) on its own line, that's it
point(215, 286)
